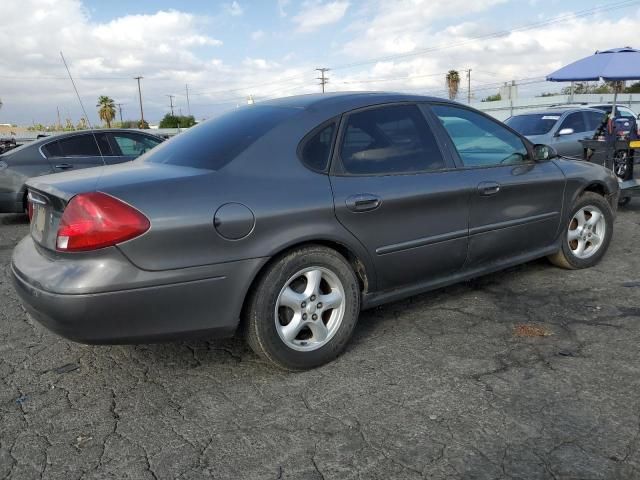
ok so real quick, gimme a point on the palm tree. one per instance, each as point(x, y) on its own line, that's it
point(106, 110)
point(453, 83)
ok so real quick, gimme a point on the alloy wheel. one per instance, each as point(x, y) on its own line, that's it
point(587, 231)
point(310, 309)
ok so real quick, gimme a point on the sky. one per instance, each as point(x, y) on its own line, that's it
point(225, 51)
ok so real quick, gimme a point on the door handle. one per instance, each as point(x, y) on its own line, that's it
point(64, 166)
point(488, 188)
point(363, 202)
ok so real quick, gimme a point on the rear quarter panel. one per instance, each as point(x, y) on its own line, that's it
point(290, 203)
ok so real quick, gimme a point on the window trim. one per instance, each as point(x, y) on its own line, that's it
point(454, 151)
point(337, 167)
point(309, 136)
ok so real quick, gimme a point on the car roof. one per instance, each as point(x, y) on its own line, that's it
point(62, 135)
point(558, 111)
point(347, 100)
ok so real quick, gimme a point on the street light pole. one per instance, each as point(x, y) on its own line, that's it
point(140, 97)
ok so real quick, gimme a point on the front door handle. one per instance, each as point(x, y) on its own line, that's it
point(363, 202)
point(488, 188)
point(64, 166)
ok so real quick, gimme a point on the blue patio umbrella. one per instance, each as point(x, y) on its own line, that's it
point(617, 64)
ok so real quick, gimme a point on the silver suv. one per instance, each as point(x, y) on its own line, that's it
point(562, 128)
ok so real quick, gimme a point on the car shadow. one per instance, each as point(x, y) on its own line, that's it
point(14, 219)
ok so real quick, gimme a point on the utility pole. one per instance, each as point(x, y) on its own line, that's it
point(468, 86)
point(120, 110)
point(323, 80)
point(171, 103)
point(59, 123)
point(186, 87)
point(140, 97)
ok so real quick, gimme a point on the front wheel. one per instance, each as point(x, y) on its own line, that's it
point(587, 236)
point(303, 309)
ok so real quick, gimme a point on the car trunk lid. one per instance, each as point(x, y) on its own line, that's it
point(50, 194)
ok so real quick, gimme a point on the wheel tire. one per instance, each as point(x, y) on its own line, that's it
point(624, 201)
point(260, 316)
point(565, 257)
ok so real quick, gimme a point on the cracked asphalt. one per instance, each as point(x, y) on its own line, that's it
point(436, 386)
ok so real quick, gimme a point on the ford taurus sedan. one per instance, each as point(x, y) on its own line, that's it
point(283, 220)
point(60, 153)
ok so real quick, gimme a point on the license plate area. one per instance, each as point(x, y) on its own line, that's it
point(38, 222)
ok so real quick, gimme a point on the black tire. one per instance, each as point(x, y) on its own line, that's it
point(623, 201)
point(565, 257)
point(260, 311)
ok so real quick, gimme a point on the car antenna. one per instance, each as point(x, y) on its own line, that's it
point(93, 132)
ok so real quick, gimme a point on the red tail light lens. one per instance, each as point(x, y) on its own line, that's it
point(97, 220)
point(30, 209)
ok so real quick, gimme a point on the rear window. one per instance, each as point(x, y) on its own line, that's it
point(534, 124)
point(214, 143)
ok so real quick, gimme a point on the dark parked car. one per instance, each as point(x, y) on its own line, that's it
point(288, 217)
point(59, 153)
point(562, 128)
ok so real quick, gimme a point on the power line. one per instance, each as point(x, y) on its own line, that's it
point(496, 34)
point(140, 97)
point(171, 103)
point(323, 80)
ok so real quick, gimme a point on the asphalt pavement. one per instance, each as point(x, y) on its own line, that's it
point(442, 385)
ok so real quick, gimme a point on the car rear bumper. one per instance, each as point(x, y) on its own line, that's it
point(158, 311)
point(11, 203)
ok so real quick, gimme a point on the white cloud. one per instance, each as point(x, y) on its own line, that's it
point(257, 35)
point(282, 4)
point(315, 14)
point(235, 9)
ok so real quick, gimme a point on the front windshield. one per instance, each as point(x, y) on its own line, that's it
point(533, 124)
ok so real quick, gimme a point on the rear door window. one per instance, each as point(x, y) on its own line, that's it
point(389, 140)
point(84, 146)
point(316, 150)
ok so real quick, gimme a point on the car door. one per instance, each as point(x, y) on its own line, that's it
point(515, 207)
point(130, 145)
point(567, 135)
point(78, 151)
point(398, 192)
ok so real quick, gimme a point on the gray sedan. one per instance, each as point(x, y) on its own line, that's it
point(562, 128)
point(67, 151)
point(284, 219)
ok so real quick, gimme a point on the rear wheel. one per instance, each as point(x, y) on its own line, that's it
point(304, 308)
point(588, 234)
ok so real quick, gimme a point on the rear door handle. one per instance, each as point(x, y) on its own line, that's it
point(488, 188)
point(363, 202)
point(64, 166)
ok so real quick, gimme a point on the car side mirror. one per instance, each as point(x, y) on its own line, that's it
point(544, 152)
point(565, 131)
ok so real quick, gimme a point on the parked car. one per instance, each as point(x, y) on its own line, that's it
point(621, 111)
point(288, 217)
point(59, 153)
point(562, 128)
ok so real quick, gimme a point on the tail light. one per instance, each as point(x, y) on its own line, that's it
point(97, 220)
point(30, 209)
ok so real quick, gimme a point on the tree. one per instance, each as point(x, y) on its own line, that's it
point(493, 98)
point(177, 121)
point(633, 88)
point(106, 109)
point(453, 83)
